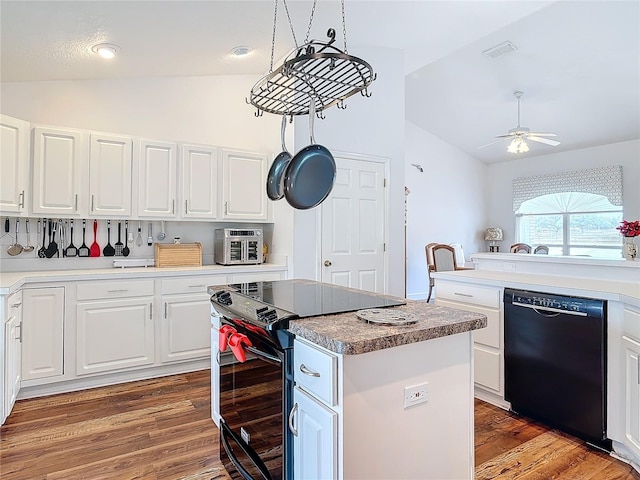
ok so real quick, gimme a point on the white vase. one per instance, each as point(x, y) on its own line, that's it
point(629, 248)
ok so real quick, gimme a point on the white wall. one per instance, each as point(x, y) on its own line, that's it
point(500, 179)
point(368, 126)
point(446, 203)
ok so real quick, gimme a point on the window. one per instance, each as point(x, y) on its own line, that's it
point(571, 223)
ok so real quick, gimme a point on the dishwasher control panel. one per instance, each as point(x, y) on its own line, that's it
point(553, 302)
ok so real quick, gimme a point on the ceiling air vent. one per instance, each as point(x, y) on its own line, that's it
point(500, 50)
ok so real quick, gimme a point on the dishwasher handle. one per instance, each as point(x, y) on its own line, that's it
point(538, 308)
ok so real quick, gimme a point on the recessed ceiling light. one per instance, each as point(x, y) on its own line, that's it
point(241, 51)
point(105, 50)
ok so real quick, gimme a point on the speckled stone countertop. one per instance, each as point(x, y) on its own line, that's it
point(347, 334)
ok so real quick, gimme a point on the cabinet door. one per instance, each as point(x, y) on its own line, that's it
point(199, 182)
point(59, 170)
point(186, 327)
point(110, 175)
point(632, 394)
point(14, 163)
point(13, 352)
point(157, 182)
point(43, 324)
point(315, 444)
point(244, 177)
point(116, 334)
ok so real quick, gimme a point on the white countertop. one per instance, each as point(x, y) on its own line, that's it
point(628, 292)
point(11, 281)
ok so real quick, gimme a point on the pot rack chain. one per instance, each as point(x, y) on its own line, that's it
point(319, 72)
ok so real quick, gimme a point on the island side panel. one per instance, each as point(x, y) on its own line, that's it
point(380, 439)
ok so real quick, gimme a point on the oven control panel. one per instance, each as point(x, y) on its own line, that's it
point(552, 302)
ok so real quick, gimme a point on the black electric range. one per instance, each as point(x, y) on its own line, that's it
point(256, 390)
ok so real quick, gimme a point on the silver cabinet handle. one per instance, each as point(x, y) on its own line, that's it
point(463, 294)
point(151, 311)
point(16, 305)
point(119, 290)
point(19, 337)
point(165, 309)
point(186, 211)
point(226, 208)
point(292, 413)
point(21, 202)
point(75, 203)
point(92, 208)
point(304, 369)
point(173, 206)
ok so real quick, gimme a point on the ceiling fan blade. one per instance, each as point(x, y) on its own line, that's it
point(508, 135)
point(542, 134)
point(491, 143)
point(553, 143)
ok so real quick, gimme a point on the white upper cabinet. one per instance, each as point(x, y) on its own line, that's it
point(110, 160)
point(59, 166)
point(244, 177)
point(14, 164)
point(157, 163)
point(199, 182)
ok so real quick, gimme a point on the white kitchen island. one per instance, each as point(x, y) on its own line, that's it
point(616, 281)
point(351, 420)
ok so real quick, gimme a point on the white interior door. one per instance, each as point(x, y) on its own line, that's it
point(353, 226)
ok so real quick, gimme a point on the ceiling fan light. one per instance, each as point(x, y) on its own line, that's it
point(518, 145)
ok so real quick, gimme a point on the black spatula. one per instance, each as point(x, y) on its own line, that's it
point(52, 248)
point(42, 251)
point(108, 250)
point(119, 245)
point(83, 251)
point(71, 250)
point(126, 250)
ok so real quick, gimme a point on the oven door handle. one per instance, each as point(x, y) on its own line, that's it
point(265, 356)
point(253, 456)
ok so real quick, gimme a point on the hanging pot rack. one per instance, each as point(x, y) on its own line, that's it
point(316, 71)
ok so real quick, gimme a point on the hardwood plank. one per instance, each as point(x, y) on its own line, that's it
point(161, 429)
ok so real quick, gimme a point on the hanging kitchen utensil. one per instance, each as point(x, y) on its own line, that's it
point(314, 68)
point(94, 251)
point(42, 251)
point(83, 251)
point(275, 178)
point(139, 239)
point(150, 234)
point(71, 250)
point(52, 248)
point(16, 248)
point(125, 250)
point(28, 247)
point(62, 229)
point(311, 173)
point(161, 234)
point(108, 250)
point(119, 245)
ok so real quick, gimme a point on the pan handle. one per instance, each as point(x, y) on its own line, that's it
point(312, 114)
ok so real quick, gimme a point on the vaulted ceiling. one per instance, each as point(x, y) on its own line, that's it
point(577, 62)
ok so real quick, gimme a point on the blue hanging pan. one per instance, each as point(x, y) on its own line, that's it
point(275, 178)
point(311, 173)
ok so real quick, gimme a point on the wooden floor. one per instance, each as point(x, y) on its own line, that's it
point(161, 429)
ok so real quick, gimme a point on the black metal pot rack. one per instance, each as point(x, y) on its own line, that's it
point(319, 71)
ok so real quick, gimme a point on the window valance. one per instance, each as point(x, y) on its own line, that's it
point(605, 181)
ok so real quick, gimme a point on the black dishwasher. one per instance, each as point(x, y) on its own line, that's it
point(555, 361)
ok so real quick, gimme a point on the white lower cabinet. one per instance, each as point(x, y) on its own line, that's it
point(43, 333)
point(632, 394)
point(113, 331)
point(314, 444)
point(13, 351)
point(487, 342)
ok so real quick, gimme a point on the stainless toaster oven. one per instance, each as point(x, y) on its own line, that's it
point(237, 246)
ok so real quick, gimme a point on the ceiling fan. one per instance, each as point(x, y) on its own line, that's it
point(519, 135)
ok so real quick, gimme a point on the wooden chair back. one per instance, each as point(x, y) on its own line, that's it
point(520, 248)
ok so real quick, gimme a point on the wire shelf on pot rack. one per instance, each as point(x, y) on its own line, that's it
point(327, 75)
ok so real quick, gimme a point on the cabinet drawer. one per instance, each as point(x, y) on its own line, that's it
point(14, 303)
point(631, 323)
point(115, 289)
point(465, 293)
point(487, 368)
point(191, 284)
point(315, 372)
point(490, 335)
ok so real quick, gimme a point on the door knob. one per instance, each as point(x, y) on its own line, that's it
point(327, 263)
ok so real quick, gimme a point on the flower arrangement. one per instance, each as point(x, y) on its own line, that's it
point(629, 229)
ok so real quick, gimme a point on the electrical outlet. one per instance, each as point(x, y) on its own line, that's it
point(509, 266)
point(416, 394)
